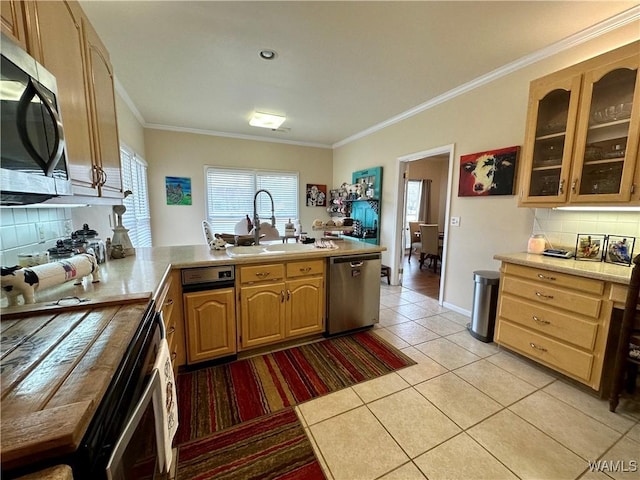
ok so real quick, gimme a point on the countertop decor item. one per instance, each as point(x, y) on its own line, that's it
point(536, 244)
point(121, 234)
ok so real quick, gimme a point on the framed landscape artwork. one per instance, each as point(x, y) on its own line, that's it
point(178, 190)
point(488, 173)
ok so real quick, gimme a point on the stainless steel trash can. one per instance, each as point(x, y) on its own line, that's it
point(485, 302)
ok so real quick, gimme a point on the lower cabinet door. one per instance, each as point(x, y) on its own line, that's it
point(262, 314)
point(210, 323)
point(305, 307)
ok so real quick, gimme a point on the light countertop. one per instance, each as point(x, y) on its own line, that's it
point(608, 272)
point(138, 277)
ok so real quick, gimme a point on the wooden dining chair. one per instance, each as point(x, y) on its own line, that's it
point(627, 353)
point(414, 235)
point(430, 245)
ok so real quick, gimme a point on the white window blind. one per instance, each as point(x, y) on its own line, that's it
point(230, 193)
point(137, 218)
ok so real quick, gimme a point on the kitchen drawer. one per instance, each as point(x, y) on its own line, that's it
point(547, 277)
point(549, 321)
point(259, 273)
point(555, 354)
point(552, 296)
point(301, 269)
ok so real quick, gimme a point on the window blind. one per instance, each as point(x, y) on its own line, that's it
point(230, 195)
point(137, 218)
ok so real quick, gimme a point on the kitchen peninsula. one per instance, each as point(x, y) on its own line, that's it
point(114, 307)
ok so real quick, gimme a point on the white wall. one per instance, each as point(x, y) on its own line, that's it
point(186, 154)
point(491, 116)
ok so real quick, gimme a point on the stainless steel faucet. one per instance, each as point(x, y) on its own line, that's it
point(256, 219)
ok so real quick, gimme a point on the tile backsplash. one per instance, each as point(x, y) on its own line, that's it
point(30, 230)
point(561, 227)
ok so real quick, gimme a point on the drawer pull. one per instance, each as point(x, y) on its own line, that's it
point(533, 345)
point(540, 321)
point(281, 296)
point(544, 277)
point(288, 294)
point(262, 274)
point(305, 269)
point(542, 295)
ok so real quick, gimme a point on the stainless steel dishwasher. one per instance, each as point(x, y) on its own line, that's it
point(353, 296)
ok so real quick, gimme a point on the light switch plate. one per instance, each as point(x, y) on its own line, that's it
point(455, 221)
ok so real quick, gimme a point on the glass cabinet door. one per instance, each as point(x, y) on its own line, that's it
point(607, 136)
point(548, 147)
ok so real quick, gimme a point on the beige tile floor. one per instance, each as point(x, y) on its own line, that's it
point(468, 410)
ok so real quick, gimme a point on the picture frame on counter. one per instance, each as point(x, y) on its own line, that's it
point(590, 247)
point(619, 249)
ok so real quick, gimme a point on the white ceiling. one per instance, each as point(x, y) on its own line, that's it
point(342, 67)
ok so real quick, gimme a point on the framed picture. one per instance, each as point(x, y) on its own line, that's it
point(619, 250)
point(178, 190)
point(488, 173)
point(590, 247)
point(316, 195)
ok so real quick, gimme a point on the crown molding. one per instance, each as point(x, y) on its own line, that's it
point(239, 136)
point(613, 23)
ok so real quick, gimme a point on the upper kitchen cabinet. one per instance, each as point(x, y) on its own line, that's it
point(106, 165)
point(69, 48)
point(12, 17)
point(583, 129)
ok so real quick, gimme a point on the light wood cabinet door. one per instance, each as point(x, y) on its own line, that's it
point(62, 53)
point(12, 20)
point(305, 306)
point(262, 309)
point(583, 133)
point(174, 321)
point(548, 149)
point(210, 324)
point(103, 109)
point(608, 133)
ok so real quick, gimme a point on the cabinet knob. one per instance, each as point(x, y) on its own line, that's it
point(574, 185)
point(305, 269)
point(171, 330)
point(169, 302)
point(561, 187)
point(288, 294)
point(542, 295)
point(262, 274)
point(281, 296)
point(537, 347)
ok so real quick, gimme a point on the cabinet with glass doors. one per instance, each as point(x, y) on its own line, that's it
point(583, 130)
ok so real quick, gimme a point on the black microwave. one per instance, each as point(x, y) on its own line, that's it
point(33, 167)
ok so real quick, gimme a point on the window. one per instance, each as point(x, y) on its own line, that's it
point(137, 218)
point(230, 193)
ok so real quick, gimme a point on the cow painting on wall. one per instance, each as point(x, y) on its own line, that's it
point(488, 173)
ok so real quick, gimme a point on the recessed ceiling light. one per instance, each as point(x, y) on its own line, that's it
point(266, 120)
point(268, 54)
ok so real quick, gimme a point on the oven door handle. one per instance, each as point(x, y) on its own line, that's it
point(163, 329)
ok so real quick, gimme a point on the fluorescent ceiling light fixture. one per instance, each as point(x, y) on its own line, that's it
point(266, 120)
point(599, 209)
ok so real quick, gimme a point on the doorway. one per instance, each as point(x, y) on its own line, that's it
point(439, 162)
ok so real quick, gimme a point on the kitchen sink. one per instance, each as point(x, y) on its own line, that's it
point(274, 248)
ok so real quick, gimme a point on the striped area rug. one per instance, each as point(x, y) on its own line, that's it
point(271, 447)
point(215, 398)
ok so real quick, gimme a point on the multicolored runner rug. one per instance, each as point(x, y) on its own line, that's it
point(270, 447)
point(216, 398)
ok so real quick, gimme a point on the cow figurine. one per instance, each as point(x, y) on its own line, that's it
point(18, 281)
point(218, 243)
